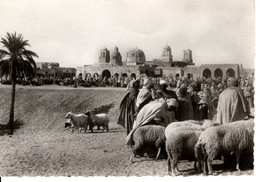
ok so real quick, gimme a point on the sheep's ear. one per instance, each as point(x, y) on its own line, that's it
point(87, 113)
point(69, 114)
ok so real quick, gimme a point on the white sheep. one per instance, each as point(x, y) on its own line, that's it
point(181, 138)
point(174, 125)
point(236, 137)
point(209, 123)
point(148, 135)
point(180, 144)
point(67, 124)
point(79, 121)
point(99, 120)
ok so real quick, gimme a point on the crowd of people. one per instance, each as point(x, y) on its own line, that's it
point(164, 100)
point(197, 99)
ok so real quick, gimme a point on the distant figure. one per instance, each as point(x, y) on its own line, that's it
point(232, 104)
point(128, 106)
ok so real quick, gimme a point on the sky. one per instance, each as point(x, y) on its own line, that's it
point(72, 32)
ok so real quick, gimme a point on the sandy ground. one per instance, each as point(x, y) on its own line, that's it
point(41, 146)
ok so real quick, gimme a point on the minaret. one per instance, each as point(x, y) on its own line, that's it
point(167, 55)
point(187, 56)
point(104, 56)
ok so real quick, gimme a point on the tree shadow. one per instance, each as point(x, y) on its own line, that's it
point(5, 128)
point(103, 108)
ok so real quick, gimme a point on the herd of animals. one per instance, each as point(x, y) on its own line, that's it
point(201, 141)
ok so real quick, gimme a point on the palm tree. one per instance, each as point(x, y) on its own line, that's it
point(15, 60)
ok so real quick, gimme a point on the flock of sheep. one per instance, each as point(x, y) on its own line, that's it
point(87, 120)
point(200, 141)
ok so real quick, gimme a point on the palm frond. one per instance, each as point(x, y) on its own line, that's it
point(31, 53)
point(18, 56)
point(5, 68)
point(3, 54)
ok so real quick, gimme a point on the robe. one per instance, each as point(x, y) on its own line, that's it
point(152, 110)
point(185, 109)
point(127, 110)
point(232, 106)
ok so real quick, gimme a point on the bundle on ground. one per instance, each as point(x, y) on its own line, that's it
point(236, 137)
point(99, 120)
point(79, 121)
point(148, 135)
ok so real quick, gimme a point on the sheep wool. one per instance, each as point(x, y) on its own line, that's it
point(79, 121)
point(152, 135)
point(234, 138)
point(180, 143)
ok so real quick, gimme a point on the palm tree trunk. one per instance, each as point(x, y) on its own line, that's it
point(11, 121)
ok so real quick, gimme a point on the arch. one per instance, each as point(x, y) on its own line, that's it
point(230, 73)
point(80, 75)
point(116, 75)
point(218, 73)
point(206, 73)
point(124, 75)
point(106, 73)
point(95, 75)
point(88, 75)
point(133, 75)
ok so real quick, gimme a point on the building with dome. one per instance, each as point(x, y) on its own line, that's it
point(112, 65)
point(135, 57)
point(135, 64)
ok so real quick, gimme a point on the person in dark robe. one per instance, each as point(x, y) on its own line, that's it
point(128, 106)
point(199, 113)
point(185, 109)
point(165, 93)
point(232, 104)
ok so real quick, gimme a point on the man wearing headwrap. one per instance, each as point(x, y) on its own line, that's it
point(128, 107)
point(155, 112)
point(199, 113)
point(145, 95)
point(232, 104)
point(185, 109)
point(163, 92)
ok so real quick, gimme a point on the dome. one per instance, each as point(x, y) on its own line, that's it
point(167, 47)
point(116, 58)
point(115, 52)
point(136, 55)
point(104, 49)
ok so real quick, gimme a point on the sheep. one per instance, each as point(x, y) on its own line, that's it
point(181, 138)
point(98, 120)
point(148, 135)
point(79, 121)
point(67, 124)
point(180, 143)
point(174, 125)
point(236, 137)
point(209, 123)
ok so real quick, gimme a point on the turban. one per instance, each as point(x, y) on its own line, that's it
point(148, 82)
point(232, 82)
point(163, 82)
point(196, 86)
point(183, 91)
